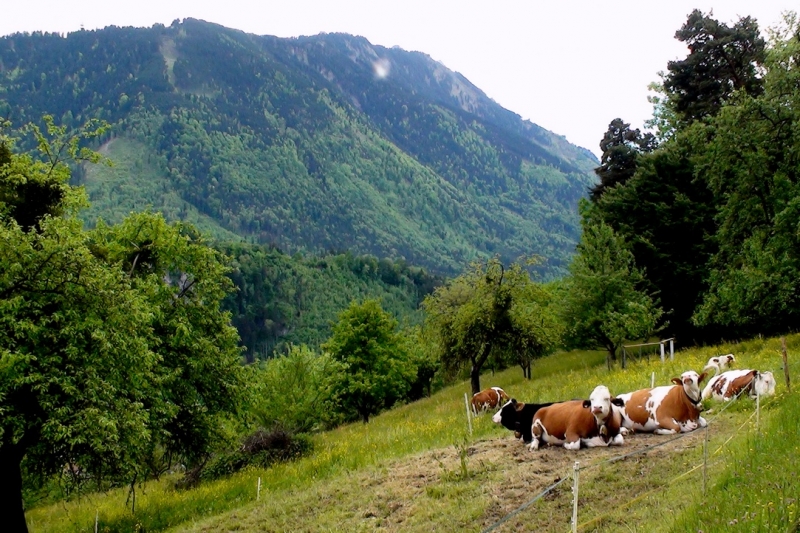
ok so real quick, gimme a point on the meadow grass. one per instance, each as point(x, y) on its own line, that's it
point(364, 450)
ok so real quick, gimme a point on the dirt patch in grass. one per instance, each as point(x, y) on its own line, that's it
point(467, 487)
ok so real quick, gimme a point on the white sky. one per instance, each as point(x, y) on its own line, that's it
point(570, 66)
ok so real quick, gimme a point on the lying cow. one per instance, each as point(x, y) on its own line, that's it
point(720, 362)
point(488, 399)
point(733, 382)
point(591, 422)
point(668, 409)
point(518, 417)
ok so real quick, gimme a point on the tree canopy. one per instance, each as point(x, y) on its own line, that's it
point(490, 311)
point(114, 354)
point(602, 302)
point(377, 369)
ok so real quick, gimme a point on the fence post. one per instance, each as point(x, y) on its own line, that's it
point(671, 350)
point(652, 380)
point(785, 365)
point(258, 489)
point(705, 460)
point(469, 414)
point(575, 469)
point(662, 351)
point(758, 409)
point(96, 519)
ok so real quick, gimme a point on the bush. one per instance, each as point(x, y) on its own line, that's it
point(261, 449)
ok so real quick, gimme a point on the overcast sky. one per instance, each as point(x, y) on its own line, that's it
point(570, 66)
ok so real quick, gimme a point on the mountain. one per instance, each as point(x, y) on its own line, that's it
point(321, 143)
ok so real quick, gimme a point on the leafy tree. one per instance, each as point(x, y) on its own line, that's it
point(297, 392)
point(103, 363)
point(489, 311)
point(722, 59)
point(602, 303)
point(621, 148)
point(752, 164)
point(665, 213)
point(378, 371)
point(184, 281)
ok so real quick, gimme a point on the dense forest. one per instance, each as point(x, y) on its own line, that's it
point(299, 144)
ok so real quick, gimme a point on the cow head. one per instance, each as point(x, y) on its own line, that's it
point(600, 402)
point(764, 384)
point(507, 415)
point(691, 384)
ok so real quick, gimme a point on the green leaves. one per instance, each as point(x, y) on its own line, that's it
point(378, 370)
point(602, 302)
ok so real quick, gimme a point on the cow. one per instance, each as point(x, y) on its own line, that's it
point(592, 422)
point(732, 383)
point(488, 399)
point(720, 362)
point(518, 417)
point(667, 409)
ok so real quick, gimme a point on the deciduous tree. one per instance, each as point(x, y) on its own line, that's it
point(378, 371)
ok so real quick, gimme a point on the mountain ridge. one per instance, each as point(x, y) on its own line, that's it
point(311, 143)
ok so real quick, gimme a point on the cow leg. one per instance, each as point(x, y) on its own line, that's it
point(667, 426)
point(618, 440)
point(702, 422)
point(573, 441)
point(536, 432)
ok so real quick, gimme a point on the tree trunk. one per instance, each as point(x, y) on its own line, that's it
point(11, 509)
point(475, 379)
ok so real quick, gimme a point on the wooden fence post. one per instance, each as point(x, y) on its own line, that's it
point(469, 414)
point(786, 365)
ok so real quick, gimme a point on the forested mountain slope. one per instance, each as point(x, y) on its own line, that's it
point(315, 143)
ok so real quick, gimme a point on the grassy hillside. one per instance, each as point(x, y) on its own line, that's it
point(416, 469)
point(297, 143)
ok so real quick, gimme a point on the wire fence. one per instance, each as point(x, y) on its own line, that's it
point(577, 469)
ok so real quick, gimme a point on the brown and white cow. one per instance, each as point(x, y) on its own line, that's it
point(733, 382)
point(592, 422)
point(720, 362)
point(488, 399)
point(668, 409)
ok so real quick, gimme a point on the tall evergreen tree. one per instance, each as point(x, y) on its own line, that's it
point(722, 59)
point(621, 148)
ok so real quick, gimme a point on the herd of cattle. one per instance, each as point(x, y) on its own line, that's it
point(603, 420)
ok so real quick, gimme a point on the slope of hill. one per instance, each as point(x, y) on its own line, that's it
point(416, 468)
point(315, 143)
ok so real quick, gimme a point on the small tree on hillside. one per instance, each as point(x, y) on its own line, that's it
point(489, 310)
point(601, 303)
point(377, 368)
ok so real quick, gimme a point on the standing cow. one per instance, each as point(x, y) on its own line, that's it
point(720, 363)
point(668, 409)
point(592, 422)
point(733, 382)
point(488, 399)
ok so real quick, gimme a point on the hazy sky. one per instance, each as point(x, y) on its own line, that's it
point(570, 66)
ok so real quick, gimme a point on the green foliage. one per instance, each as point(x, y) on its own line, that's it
point(751, 162)
point(721, 61)
point(602, 302)
point(285, 300)
point(297, 392)
point(113, 348)
point(255, 136)
point(377, 368)
point(262, 449)
point(490, 312)
point(621, 147)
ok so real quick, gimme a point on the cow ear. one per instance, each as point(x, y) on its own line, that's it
point(619, 402)
point(587, 404)
point(677, 381)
